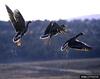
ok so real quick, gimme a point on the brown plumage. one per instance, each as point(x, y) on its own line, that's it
point(76, 44)
point(18, 23)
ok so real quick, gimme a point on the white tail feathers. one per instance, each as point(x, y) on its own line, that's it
point(64, 47)
point(16, 39)
point(17, 42)
point(45, 36)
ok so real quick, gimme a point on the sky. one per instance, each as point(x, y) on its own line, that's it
point(50, 9)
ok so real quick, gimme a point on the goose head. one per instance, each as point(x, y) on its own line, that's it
point(63, 29)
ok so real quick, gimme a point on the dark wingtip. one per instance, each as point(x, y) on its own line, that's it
point(6, 6)
point(8, 9)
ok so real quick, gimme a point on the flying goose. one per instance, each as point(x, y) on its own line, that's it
point(74, 43)
point(18, 23)
point(53, 29)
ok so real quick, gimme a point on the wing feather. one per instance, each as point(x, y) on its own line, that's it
point(82, 46)
point(20, 20)
point(11, 16)
point(48, 29)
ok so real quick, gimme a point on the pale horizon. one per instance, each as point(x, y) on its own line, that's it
point(50, 9)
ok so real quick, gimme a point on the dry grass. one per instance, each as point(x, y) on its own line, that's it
point(57, 69)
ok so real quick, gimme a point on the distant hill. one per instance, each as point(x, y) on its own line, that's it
point(90, 17)
point(34, 49)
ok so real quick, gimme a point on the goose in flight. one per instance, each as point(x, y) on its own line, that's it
point(74, 43)
point(18, 23)
point(53, 29)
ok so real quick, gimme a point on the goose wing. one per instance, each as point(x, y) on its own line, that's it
point(19, 20)
point(48, 29)
point(56, 28)
point(11, 16)
point(82, 46)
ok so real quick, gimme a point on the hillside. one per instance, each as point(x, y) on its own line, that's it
point(34, 49)
point(89, 17)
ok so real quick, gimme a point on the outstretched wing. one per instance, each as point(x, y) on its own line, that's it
point(11, 16)
point(48, 29)
point(55, 26)
point(82, 46)
point(19, 20)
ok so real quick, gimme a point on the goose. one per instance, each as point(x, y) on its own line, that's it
point(74, 43)
point(18, 23)
point(53, 29)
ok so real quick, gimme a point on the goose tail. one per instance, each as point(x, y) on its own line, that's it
point(64, 48)
point(45, 36)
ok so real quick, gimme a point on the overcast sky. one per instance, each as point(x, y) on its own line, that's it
point(50, 9)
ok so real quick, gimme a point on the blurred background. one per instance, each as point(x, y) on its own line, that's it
point(34, 49)
point(37, 60)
